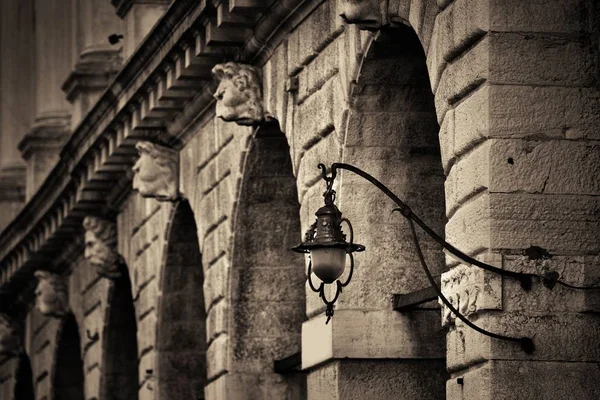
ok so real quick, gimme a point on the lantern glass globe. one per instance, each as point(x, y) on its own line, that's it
point(328, 263)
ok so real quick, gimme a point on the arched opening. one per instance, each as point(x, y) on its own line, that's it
point(68, 371)
point(181, 340)
point(24, 380)
point(267, 279)
point(119, 379)
point(392, 133)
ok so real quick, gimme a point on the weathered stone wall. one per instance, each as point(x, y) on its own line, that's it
point(518, 83)
point(142, 239)
point(482, 115)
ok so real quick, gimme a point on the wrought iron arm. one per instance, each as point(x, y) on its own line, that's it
point(526, 343)
point(405, 210)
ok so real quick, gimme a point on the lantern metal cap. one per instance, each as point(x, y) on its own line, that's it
point(326, 232)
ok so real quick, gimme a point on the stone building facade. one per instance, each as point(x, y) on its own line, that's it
point(158, 159)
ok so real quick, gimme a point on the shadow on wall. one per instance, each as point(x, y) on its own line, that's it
point(119, 380)
point(267, 279)
point(181, 341)
point(68, 372)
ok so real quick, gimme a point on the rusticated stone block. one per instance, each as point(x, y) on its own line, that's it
point(327, 151)
point(497, 380)
point(216, 282)
point(575, 270)
point(240, 385)
point(462, 75)
point(310, 37)
point(545, 167)
point(274, 80)
point(217, 356)
point(556, 16)
point(561, 224)
point(313, 118)
point(553, 336)
point(447, 133)
point(469, 227)
point(534, 111)
point(515, 58)
point(387, 379)
point(468, 177)
point(459, 25)
point(217, 320)
point(472, 120)
point(216, 242)
point(314, 75)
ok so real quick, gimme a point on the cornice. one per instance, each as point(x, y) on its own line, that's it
point(122, 7)
point(164, 80)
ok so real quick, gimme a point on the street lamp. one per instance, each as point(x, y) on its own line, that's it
point(327, 246)
point(326, 243)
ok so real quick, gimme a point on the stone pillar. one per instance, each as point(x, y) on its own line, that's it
point(139, 17)
point(97, 60)
point(16, 96)
point(53, 61)
point(519, 107)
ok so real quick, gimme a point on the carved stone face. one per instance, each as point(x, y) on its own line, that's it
point(238, 95)
point(96, 251)
point(101, 255)
point(368, 15)
point(52, 294)
point(155, 172)
point(10, 343)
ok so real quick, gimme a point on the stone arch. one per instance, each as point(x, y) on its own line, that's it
point(24, 379)
point(392, 133)
point(68, 374)
point(119, 379)
point(266, 285)
point(181, 338)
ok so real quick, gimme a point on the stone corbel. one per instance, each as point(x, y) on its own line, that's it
point(239, 94)
point(52, 294)
point(156, 172)
point(371, 15)
point(10, 343)
point(101, 247)
point(470, 290)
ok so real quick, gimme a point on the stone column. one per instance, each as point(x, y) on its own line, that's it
point(97, 60)
point(53, 61)
point(139, 17)
point(520, 109)
point(16, 96)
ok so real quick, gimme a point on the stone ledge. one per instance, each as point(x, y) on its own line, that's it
point(379, 334)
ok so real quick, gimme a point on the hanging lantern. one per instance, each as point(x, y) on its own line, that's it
point(326, 243)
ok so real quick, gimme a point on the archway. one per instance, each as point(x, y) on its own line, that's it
point(119, 380)
point(181, 340)
point(24, 379)
point(392, 133)
point(68, 377)
point(267, 279)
